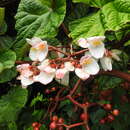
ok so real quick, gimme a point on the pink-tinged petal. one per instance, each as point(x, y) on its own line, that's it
point(44, 78)
point(44, 64)
point(65, 80)
point(69, 66)
point(82, 42)
point(106, 63)
point(81, 74)
point(60, 73)
point(49, 70)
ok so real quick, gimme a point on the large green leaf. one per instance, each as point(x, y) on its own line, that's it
point(94, 3)
point(87, 27)
point(7, 59)
point(39, 18)
point(11, 104)
point(6, 43)
point(109, 18)
point(7, 75)
point(2, 13)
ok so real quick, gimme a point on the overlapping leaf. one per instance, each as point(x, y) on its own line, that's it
point(7, 59)
point(38, 18)
point(11, 104)
point(113, 16)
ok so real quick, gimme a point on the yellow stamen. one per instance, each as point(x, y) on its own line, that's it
point(96, 42)
point(87, 61)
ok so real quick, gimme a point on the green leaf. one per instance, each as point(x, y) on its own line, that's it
point(11, 104)
point(8, 59)
point(2, 15)
point(96, 116)
point(38, 18)
point(7, 75)
point(6, 43)
point(112, 82)
point(94, 3)
point(87, 27)
point(109, 18)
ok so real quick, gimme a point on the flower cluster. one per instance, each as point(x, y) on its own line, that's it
point(44, 70)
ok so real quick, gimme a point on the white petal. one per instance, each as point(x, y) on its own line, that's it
point(115, 54)
point(44, 78)
point(34, 41)
point(106, 63)
point(92, 68)
point(44, 64)
point(26, 81)
point(33, 54)
point(97, 51)
point(42, 55)
point(69, 66)
point(64, 80)
point(49, 70)
point(83, 43)
point(100, 38)
point(60, 73)
point(81, 74)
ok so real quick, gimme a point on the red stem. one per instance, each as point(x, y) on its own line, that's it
point(116, 73)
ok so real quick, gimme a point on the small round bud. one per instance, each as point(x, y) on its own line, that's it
point(53, 125)
point(115, 112)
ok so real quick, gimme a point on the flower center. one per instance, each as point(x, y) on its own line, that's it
point(87, 61)
point(96, 42)
point(41, 46)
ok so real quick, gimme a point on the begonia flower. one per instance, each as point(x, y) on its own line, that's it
point(26, 74)
point(39, 49)
point(46, 74)
point(89, 65)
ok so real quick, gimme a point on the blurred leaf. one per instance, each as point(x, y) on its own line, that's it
point(96, 116)
point(12, 126)
point(6, 43)
point(38, 18)
point(2, 15)
point(112, 82)
point(11, 104)
point(8, 59)
point(36, 99)
point(7, 75)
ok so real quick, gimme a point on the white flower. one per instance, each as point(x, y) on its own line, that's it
point(25, 70)
point(64, 80)
point(115, 54)
point(60, 73)
point(106, 63)
point(44, 78)
point(89, 65)
point(25, 81)
point(69, 66)
point(39, 49)
point(26, 75)
point(47, 73)
point(96, 46)
point(81, 73)
point(83, 43)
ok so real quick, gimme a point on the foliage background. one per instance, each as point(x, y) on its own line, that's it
point(45, 19)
